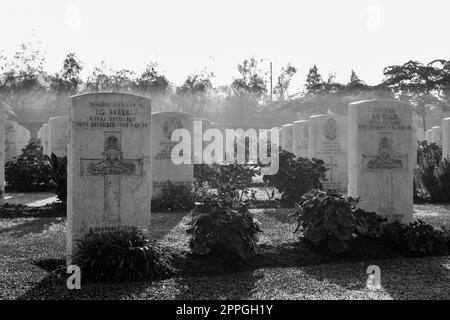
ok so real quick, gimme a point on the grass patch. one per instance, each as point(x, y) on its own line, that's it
point(32, 250)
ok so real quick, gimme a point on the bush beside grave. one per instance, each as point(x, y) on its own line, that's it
point(28, 172)
point(329, 220)
point(58, 172)
point(295, 177)
point(174, 197)
point(122, 256)
point(432, 174)
point(333, 223)
point(223, 227)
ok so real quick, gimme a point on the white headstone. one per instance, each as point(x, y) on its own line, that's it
point(328, 141)
point(446, 138)
point(222, 129)
point(109, 165)
point(436, 135)
point(300, 138)
point(10, 140)
point(286, 138)
point(198, 143)
point(58, 136)
point(420, 134)
point(428, 135)
point(22, 136)
point(45, 140)
point(2, 154)
point(163, 168)
point(381, 157)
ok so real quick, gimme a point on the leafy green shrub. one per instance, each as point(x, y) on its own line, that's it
point(205, 173)
point(432, 174)
point(295, 177)
point(29, 172)
point(234, 180)
point(122, 256)
point(329, 220)
point(417, 238)
point(58, 172)
point(223, 227)
point(174, 197)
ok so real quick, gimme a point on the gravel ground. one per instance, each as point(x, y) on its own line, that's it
point(29, 245)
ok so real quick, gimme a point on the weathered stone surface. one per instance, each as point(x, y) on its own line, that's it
point(328, 141)
point(45, 139)
point(436, 135)
point(58, 136)
point(381, 157)
point(163, 168)
point(109, 164)
point(10, 140)
point(428, 135)
point(300, 138)
point(2, 154)
point(446, 138)
point(286, 138)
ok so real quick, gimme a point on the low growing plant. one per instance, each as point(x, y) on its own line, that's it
point(29, 172)
point(58, 173)
point(329, 220)
point(432, 174)
point(223, 227)
point(174, 197)
point(122, 256)
point(295, 177)
point(417, 238)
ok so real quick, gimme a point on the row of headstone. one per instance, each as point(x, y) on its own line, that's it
point(117, 148)
point(369, 154)
point(441, 136)
point(16, 138)
point(53, 136)
point(324, 137)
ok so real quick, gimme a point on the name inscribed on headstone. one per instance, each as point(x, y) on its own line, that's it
point(111, 115)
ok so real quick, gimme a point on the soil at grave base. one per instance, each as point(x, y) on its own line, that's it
point(57, 209)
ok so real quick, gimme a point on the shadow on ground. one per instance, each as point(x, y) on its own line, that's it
point(164, 223)
point(401, 279)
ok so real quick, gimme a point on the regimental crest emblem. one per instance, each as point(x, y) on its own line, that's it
point(112, 162)
point(330, 129)
point(170, 126)
point(384, 159)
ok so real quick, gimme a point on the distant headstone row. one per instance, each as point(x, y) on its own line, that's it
point(370, 154)
point(120, 155)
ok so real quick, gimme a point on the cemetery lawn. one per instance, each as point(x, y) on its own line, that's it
point(30, 248)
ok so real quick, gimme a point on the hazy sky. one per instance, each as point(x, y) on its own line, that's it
point(185, 36)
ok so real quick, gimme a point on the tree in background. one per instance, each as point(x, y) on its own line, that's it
point(314, 81)
point(152, 82)
point(251, 82)
point(104, 78)
point(283, 82)
point(67, 81)
point(22, 78)
point(416, 84)
point(194, 95)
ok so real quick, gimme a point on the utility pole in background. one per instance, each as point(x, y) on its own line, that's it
point(271, 91)
point(271, 75)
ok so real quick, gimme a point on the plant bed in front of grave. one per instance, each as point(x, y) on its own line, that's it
point(285, 266)
point(122, 256)
point(10, 211)
point(333, 224)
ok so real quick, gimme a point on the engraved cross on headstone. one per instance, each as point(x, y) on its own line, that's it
point(112, 167)
point(385, 159)
point(331, 164)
